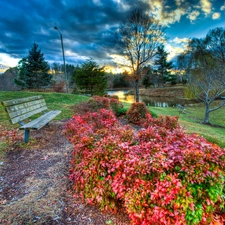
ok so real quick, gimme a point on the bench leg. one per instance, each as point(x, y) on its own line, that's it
point(26, 135)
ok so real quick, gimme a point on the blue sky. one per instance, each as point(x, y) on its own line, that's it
point(88, 26)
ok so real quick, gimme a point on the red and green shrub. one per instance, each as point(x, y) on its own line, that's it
point(96, 102)
point(160, 175)
point(137, 113)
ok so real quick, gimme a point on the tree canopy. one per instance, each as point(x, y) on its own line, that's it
point(33, 70)
point(91, 78)
point(138, 38)
point(163, 66)
point(205, 64)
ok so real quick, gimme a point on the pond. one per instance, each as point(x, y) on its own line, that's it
point(151, 101)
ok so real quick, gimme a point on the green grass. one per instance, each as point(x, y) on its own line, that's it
point(54, 101)
point(192, 120)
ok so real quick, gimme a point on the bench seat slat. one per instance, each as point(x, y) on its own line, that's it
point(25, 116)
point(41, 121)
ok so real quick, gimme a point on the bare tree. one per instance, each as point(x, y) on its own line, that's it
point(139, 39)
point(205, 64)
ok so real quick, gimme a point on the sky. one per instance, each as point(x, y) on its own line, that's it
point(88, 27)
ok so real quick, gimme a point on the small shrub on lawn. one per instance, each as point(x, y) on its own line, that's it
point(121, 112)
point(168, 122)
point(137, 112)
point(160, 175)
point(96, 102)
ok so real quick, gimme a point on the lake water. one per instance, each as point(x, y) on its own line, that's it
point(150, 101)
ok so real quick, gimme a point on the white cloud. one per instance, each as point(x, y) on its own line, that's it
point(122, 5)
point(222, 7)
point(97, 2)
point(180, 40)
point(69, 53)
point(215, 16)
point(179, 2)
point(176, 47)
point(121, 62)
point(206, 6)
point(8, 61)
point(193, 15)
point(165, 17)
point(173, 51)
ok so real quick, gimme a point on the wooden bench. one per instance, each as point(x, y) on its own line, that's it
point(181, 108)
point(23, 108)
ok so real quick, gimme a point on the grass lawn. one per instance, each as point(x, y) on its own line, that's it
point(54, 101)
point(192, 120)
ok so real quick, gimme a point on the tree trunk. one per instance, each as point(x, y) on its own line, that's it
point(207, 111)
point(137, 90)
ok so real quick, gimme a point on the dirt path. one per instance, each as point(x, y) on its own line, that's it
point(34, 185)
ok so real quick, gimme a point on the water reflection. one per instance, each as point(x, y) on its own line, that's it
point(150, 101)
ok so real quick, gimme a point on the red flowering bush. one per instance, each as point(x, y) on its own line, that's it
point(168, 122)
point(160, 175)
point(137, 112)
point(111, 96)
point(96, 102)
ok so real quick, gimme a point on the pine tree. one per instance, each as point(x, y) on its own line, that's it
point(147, 77)
point(33, 70)
point(91, 78)
point(163, 66)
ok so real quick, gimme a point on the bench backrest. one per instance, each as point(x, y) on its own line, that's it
point(23, 108)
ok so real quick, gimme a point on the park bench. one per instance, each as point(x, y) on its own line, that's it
point(181, 108)
point(23, 108)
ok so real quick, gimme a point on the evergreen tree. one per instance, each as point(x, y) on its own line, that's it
point(163, 66)
point(147, 77)
point(33, 70)
point(90, 78)
point(119, 81)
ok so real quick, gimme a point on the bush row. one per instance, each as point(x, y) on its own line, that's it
point(96, 102)
point(160, 175)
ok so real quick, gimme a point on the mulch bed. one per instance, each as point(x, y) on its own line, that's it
point(35, 189)
point(34, 185)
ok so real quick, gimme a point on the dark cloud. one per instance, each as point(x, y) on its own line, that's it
point(88, 26)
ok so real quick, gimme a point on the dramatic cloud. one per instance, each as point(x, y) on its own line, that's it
point(176, 47)
point(174, 51)
point(88, 27)
point(215, 16)
point(206, 6)
point(167, 14)
point(222, 7)
point(193, 15)
point(180, 40)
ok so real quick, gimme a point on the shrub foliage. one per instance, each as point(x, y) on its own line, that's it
point(160, 175)
point(96, 102)
point(137, 112)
